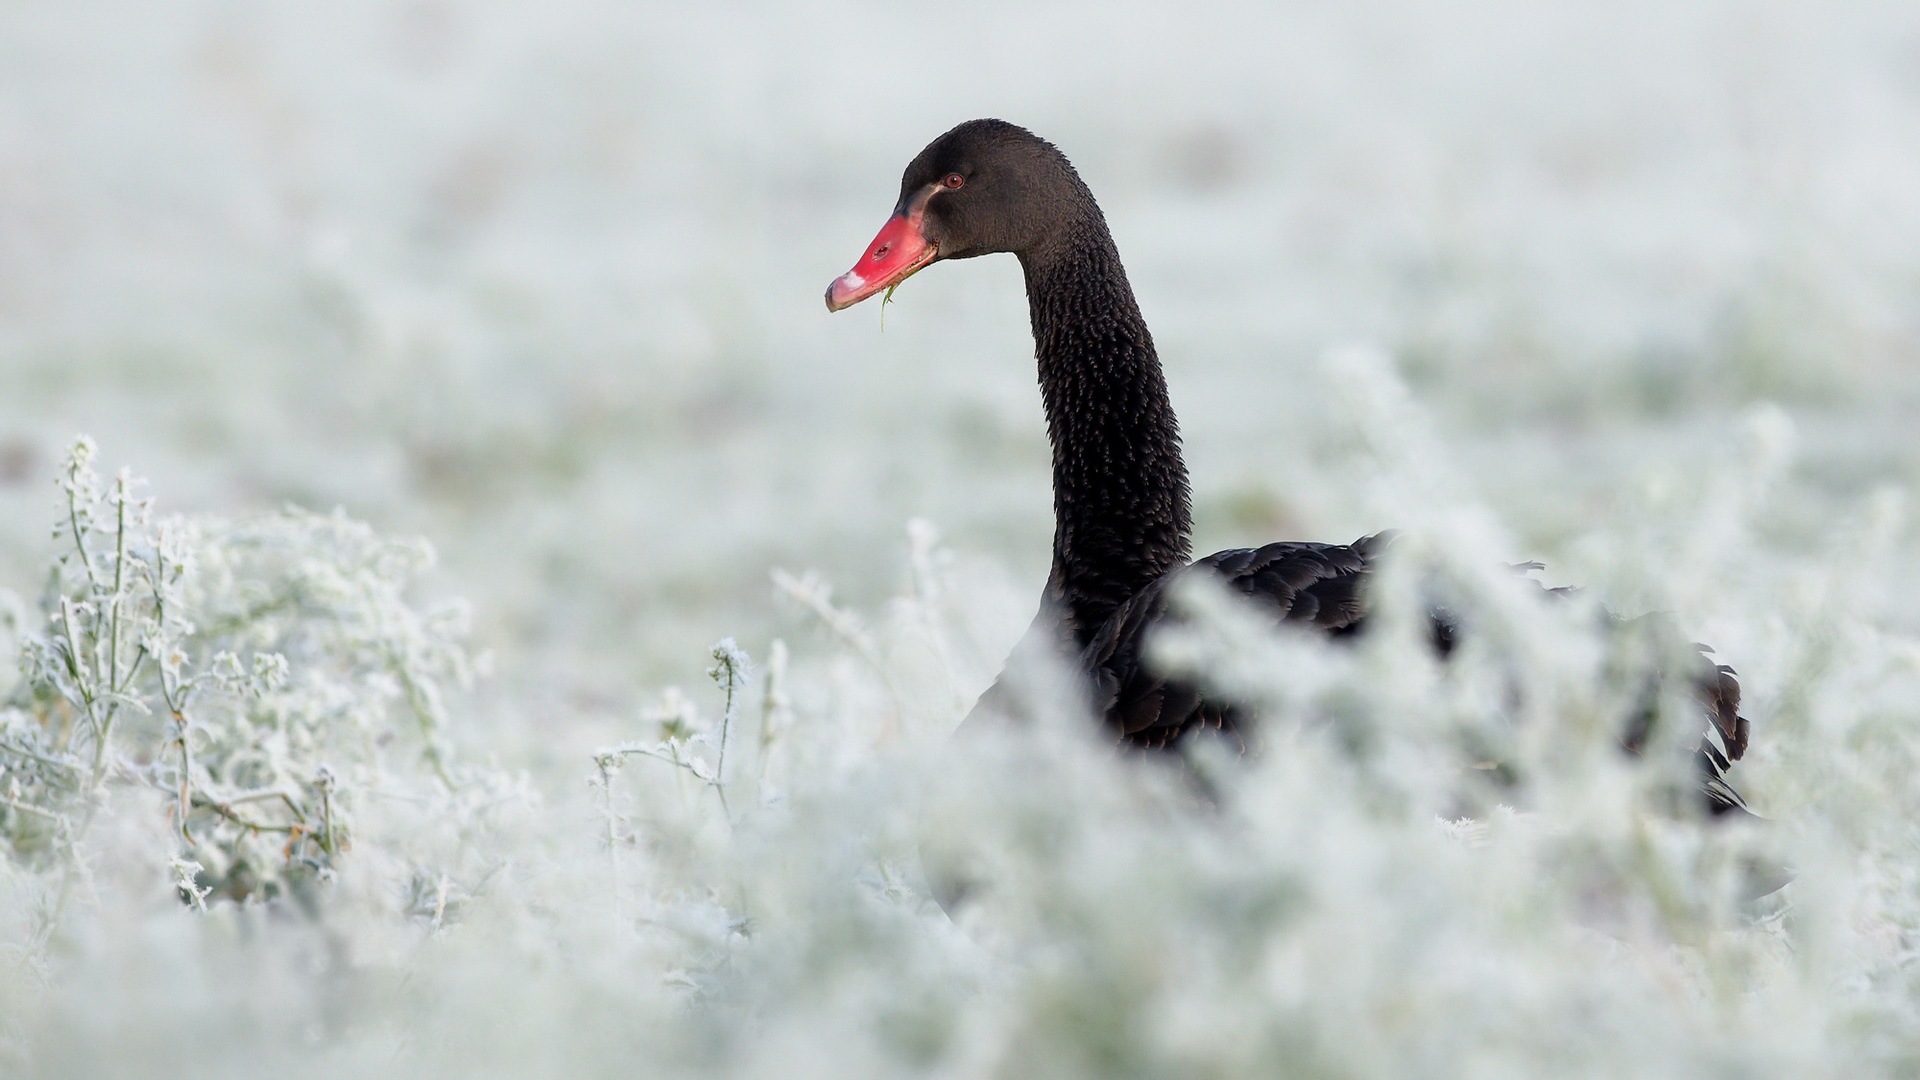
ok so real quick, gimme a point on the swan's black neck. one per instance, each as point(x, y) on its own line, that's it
point(1119, 485)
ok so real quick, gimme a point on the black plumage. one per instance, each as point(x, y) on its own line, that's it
point(1122, 520)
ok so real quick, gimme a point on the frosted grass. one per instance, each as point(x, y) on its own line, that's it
point(1635, 285)
point(741, 889)
point(506, 281)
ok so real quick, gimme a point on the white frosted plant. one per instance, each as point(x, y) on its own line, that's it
point(689, 813)
point(692, 751)
point(926, 654)
point(251, 680)
point(1327, 911)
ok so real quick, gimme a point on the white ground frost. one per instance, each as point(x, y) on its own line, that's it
point(1629, 288)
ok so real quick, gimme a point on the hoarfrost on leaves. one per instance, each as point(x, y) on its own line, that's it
point(1641, 279)
point(255, 712)
point(254, 682)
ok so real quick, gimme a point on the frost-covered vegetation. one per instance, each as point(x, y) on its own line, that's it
point(138, 669)
point(1636, 289)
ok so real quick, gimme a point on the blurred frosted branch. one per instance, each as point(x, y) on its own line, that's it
point(813, 593)
point(776, 708)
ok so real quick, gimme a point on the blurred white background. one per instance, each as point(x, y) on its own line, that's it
point(542, 282)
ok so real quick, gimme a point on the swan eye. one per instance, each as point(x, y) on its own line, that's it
point(954, 180)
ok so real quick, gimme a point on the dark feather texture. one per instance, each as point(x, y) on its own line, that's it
point(1122, 521)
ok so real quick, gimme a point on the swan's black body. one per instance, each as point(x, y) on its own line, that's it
point(1123, 525)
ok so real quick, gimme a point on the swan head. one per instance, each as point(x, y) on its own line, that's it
point(984, 187)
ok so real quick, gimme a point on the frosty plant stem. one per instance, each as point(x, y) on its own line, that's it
point(260, 773)
point(731, 670)
point(730, 667)
point(98, 694)
point(608, 762)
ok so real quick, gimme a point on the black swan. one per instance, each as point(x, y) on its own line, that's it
point(1123, 526)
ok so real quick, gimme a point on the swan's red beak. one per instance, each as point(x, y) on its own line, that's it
point(899, 250)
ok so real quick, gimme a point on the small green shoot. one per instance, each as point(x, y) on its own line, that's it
point(884, 301)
